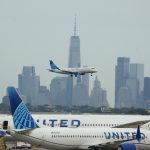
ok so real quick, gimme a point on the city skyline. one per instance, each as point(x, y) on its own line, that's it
point(32, 34)
point(129, 84)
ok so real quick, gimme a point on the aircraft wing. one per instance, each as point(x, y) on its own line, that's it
point(132, 124)
point(112, 145)
point(116, 143)
point(69, 72)
point(73, 72)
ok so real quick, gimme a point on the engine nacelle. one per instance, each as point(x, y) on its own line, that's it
point(127, 146)
point(131, 146)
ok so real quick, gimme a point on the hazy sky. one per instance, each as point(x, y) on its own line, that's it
point(34, 31)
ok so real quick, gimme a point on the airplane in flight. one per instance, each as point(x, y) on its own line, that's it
point(71, 71)
point(27, 130)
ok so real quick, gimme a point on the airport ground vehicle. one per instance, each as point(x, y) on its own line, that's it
point(21, 145)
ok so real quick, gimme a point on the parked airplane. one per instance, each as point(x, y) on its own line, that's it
point(28, 130)
point(79, 120)
point(71, 71)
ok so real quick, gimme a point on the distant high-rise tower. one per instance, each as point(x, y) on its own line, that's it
point(74, 50)
point(137, 88)
point(30, 89)
point(122, 73)
point(137, 72)
point(74, 61)
point(28, 84)
point(58, 91)
point(98, 95)
point(147, 88)
point(147, 92)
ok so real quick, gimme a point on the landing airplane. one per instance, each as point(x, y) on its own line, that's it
point(71, 71)
point(28, 130)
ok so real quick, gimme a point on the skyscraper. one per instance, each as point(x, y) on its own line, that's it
point(80, 96)
point(147, 92)
point(74, 61)
point(129, 84)
point(124, 97)
point(81, 91)
point(121, 74)
point(137, 87)
point(30, 89)
point(43, 96)
point(137, 72)
point(74, 50)
point(28, 84)
point(85, 82)
point(147, 88)
point(98, 96)
point(58, 91)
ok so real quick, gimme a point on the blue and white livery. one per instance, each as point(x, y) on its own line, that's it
point(71, 71)
point(21, 116)
point(77, 138)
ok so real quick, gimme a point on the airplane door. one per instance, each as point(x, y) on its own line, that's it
point(5, 125)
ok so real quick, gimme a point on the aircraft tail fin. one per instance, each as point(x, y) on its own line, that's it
point(52, 65)
point(138, 134)
point(21, 116)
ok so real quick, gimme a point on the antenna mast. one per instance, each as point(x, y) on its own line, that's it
point(75, 26)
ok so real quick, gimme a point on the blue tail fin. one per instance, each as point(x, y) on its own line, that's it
point(138, 134)
point(53, 66)
point(20, 113)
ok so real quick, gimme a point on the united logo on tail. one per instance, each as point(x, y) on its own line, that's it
point(21, 116)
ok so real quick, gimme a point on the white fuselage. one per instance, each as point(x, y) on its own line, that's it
point(78, 121)
point(81, 71)
point(80, 138)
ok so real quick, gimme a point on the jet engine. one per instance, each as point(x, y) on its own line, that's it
point(131, 146)
point(127, 146)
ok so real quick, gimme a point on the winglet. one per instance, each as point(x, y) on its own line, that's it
point(20, 113)
point(138, 134)
point(53, 66)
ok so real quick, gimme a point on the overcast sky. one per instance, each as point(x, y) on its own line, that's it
point(34, 31)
